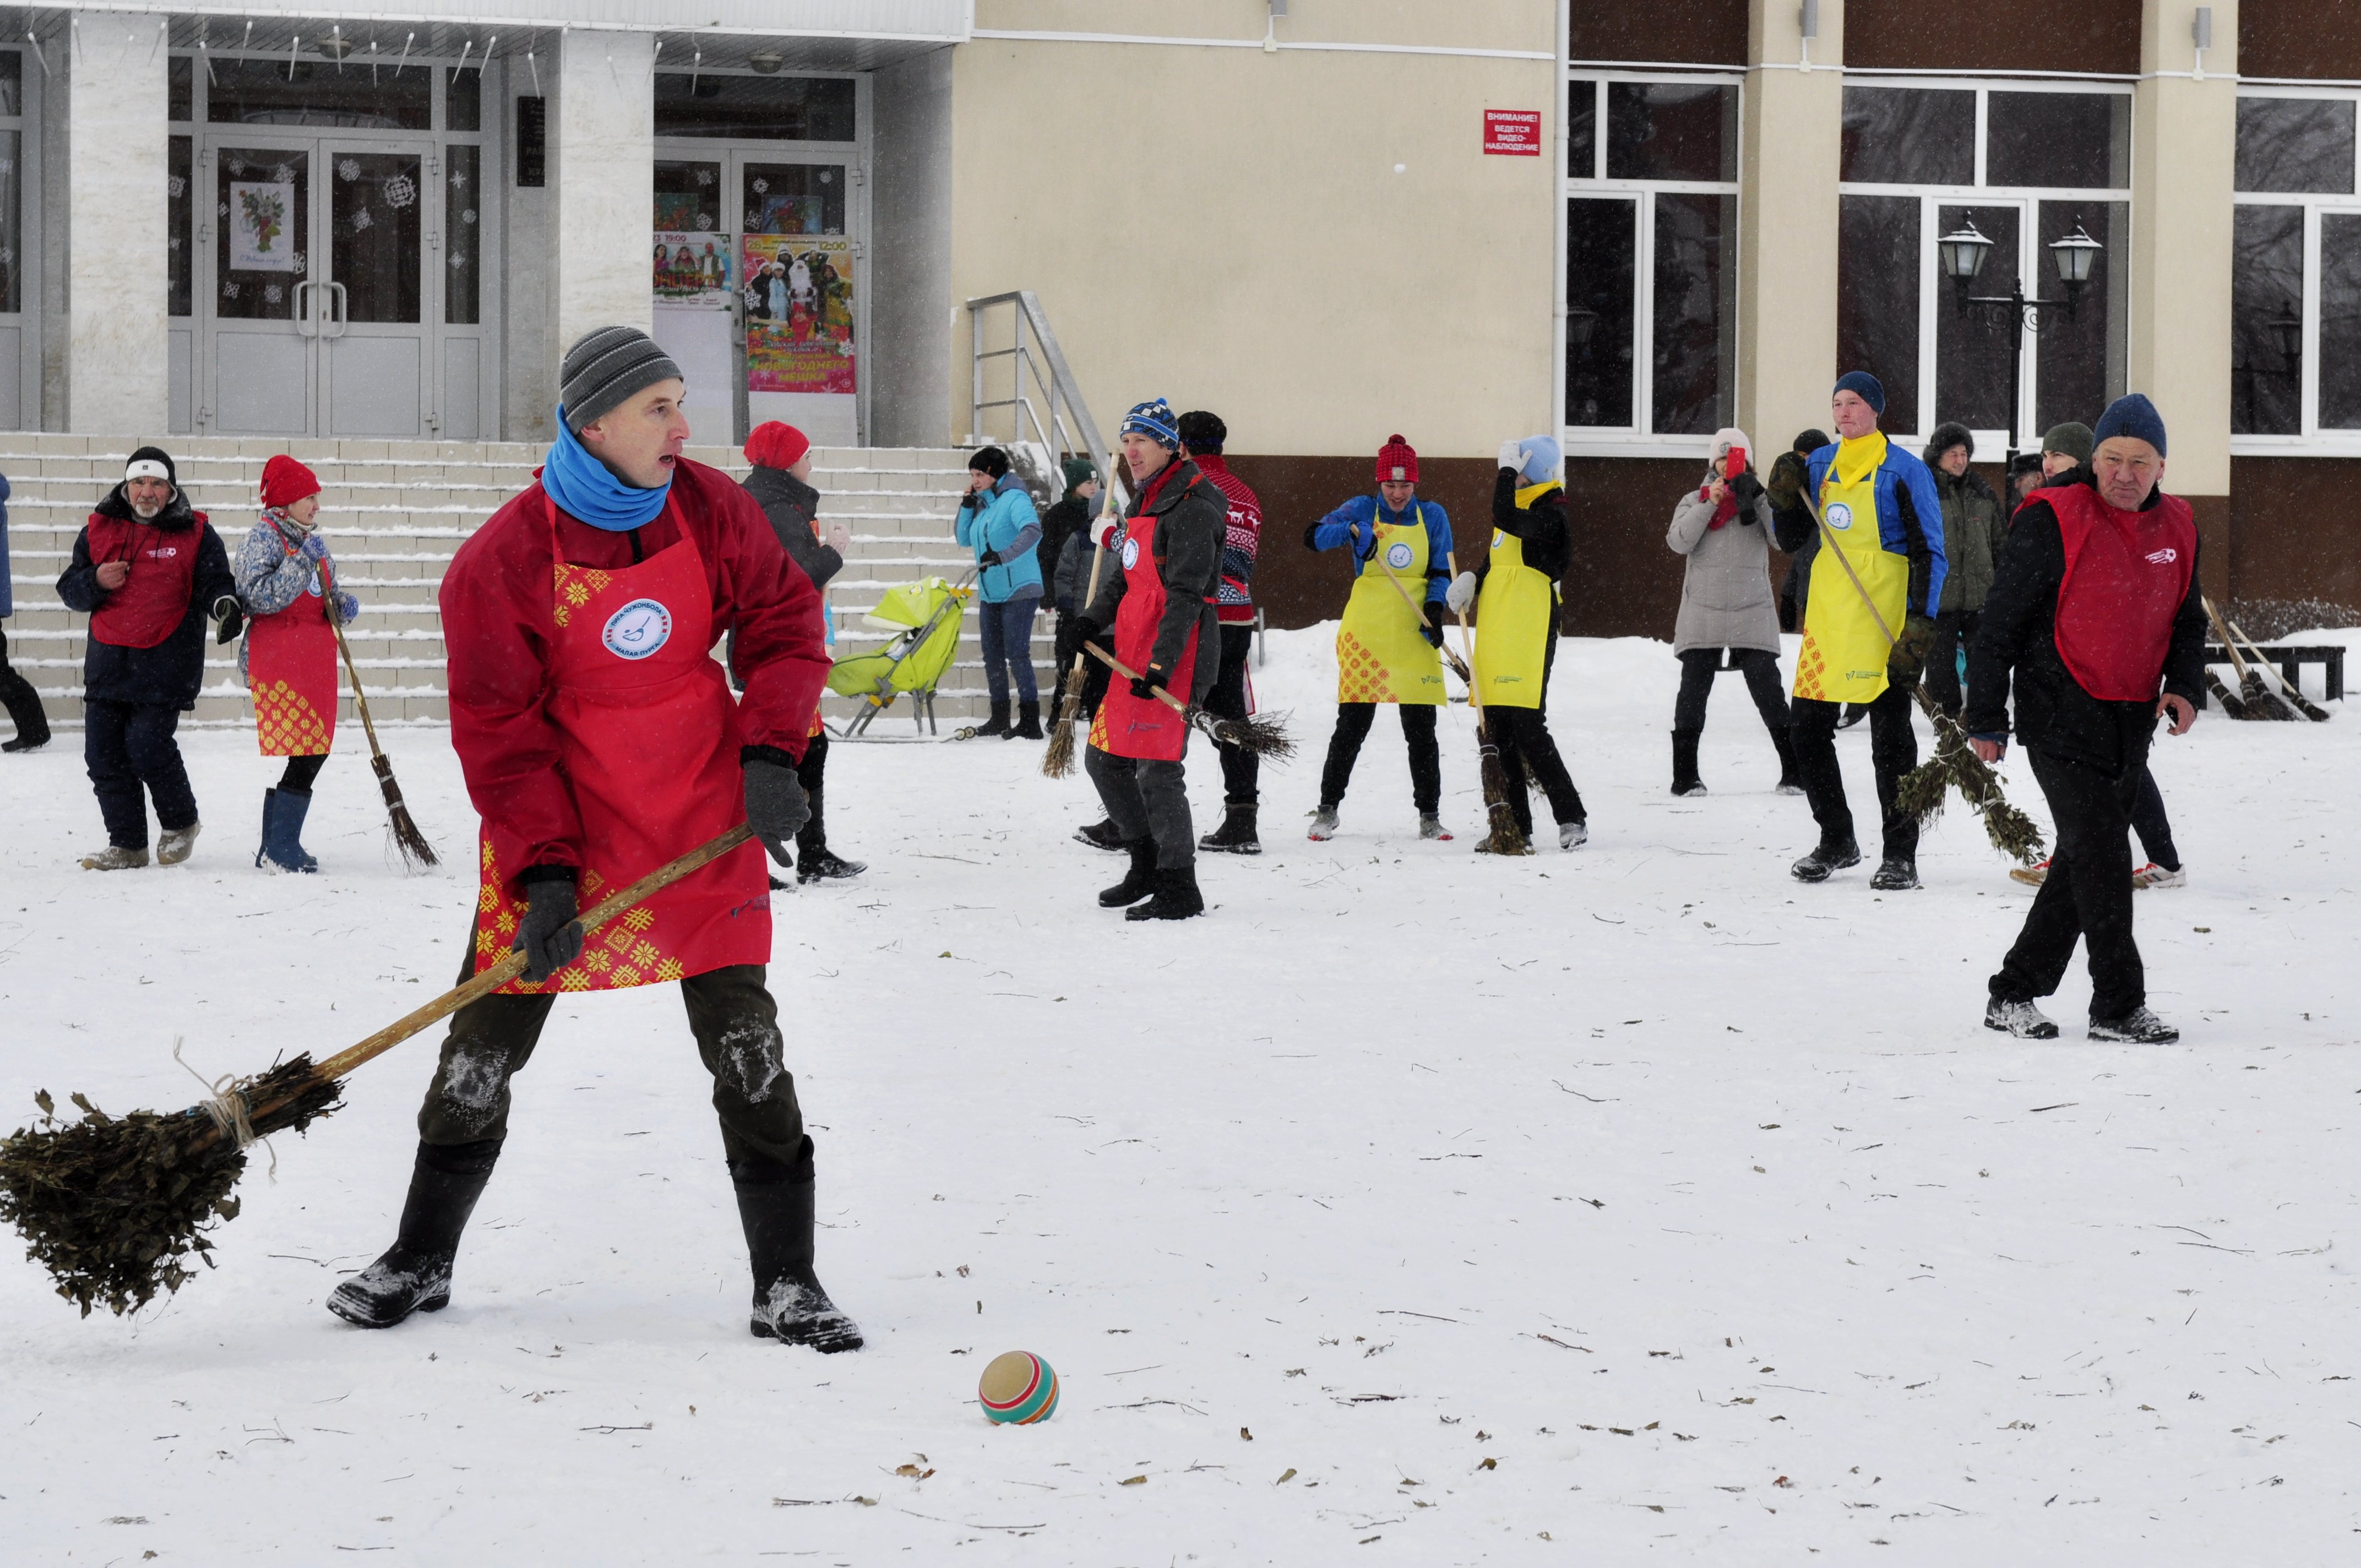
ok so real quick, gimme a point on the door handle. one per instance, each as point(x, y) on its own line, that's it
point(304, 325)
point(339, 321)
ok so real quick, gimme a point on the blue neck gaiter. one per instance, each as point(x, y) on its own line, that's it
point(588, 490)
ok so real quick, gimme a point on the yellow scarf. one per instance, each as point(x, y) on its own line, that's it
point(1858, 457)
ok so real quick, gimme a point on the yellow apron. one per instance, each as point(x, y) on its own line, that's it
point(1381, 656)
point(1845, 649)
point(1516, 617)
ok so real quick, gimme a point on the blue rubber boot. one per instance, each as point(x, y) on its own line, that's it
point(283, 832)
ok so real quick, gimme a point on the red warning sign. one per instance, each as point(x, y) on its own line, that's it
point(1513, 132)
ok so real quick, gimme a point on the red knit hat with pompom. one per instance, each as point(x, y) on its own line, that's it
point(285, 481)
point(1397, 463)
point(775, 445)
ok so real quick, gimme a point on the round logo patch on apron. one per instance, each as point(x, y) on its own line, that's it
point(1130, 554)
point(1398, 556)
point(637, 629)
point(1839, 516)
point(314, 589)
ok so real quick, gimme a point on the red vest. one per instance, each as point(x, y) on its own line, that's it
point(154, 599)
point(2126, 575)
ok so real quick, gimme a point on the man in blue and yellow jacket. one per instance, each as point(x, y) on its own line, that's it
point(1868, 617)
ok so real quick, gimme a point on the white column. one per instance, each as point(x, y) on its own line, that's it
point(1787, 226)
point(602, 173)
point(116, 228)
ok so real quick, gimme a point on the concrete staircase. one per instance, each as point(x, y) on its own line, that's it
point(396, 511)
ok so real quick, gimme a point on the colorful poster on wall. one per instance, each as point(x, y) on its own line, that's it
point(259, 215)
point(798, 297)
point(692, 267)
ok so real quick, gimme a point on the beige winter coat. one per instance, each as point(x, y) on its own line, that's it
point(1726, 599)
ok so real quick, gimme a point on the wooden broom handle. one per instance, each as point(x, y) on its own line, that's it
point(1458, 667)
point(513, 964)
point(336, 622)
point(1117, 665)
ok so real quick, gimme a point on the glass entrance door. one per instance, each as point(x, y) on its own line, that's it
point(315, 319)
point(801, 288)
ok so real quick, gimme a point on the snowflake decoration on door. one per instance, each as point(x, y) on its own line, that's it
point(299, 262)
point(458, 260)
point(175, 187)
point(272, 294)
point(225, 209)
point(761, 186)
point(229, 290)
point(283, 175)
point(468, 216)
point(236, 169)
point(171, 243)
point(704, 220)
point(458, 179)
point(348, 170)
point(705, 176)
point(400, 192)
point(362, 220)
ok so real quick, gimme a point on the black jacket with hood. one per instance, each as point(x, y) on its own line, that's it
point(1193, 519)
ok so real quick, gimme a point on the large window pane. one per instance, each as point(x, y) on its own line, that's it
point(180, 87)
point(375, 235)
point(463, 236)
point(244, 91)
point(1671, 130)
point(1695, 314)
point(1582, 130)
point(2079, 362)
point(262, 213)
point(1974, 352)
point(463, 99)
point(2266, 321)
point(759, 108)
point(2340, 321)
point(12, 221)
point(1877, 298)
point(2296, 144)
point(180, 242)
point(1600, 276)
point(2069, 140)
point(1909, 135)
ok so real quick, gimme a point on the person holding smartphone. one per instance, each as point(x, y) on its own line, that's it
point(1723, 527)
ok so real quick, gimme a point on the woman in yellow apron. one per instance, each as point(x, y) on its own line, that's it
point(1387, 649)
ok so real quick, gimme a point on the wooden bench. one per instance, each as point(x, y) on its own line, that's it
point(2290, 659)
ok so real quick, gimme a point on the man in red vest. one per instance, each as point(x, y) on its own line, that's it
point(599, 742)
point(2094, 609)
point(148, 571)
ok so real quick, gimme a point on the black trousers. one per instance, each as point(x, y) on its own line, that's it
point(22, 702)
point(1241, 769)
point(1953, 629)
point(129, 746)
point(1893, 751)
point(1146, 799)
point(1353, 721)
point(301, 773)
point(1760, 668)
point(736, 1024)
point(1522, 736)
point(2155, 828)
point(812, 773)
point(2088, 893)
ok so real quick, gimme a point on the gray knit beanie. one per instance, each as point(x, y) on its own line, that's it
point(606, 367)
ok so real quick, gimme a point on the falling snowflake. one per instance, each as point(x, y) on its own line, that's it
point(362, 220)
point(283, 175)
point(705, 176)
point(468, 216)
point(273, 294)
point(400, 192)
point(176, 186)
point(761, 186)
point(348, 170)
point(229, 290)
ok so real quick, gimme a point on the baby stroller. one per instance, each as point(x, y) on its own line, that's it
point(925, 616)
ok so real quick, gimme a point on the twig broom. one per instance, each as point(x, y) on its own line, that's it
point(416, 852)
point(111, 1205)
point(2259, 700)
point(1262, 737)
point(2295, 696)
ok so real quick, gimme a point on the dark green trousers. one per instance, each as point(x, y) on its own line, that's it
point(736, 1024)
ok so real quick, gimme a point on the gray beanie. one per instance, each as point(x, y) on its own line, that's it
point(606, 367)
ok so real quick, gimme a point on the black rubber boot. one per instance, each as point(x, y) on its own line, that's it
point(997, 724)
point(25, 711)
point(1177, 897)
point(1138, 882)
point(1684, 769)
point(1101, 835)
point(1028, 723)
point(414, 1275)
point(1895, 874)
point(1235, 835)
point(790, 1304)
point(1828, 857)
point(1790, 781)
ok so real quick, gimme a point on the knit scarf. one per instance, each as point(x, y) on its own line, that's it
point(1725, 512)
point(586, 489)
point(289, 529)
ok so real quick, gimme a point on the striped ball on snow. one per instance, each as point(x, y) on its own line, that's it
point(1018, 1389)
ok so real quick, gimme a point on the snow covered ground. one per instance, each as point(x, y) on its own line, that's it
point(1633, 1204)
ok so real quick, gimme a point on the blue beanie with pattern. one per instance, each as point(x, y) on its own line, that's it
point(1154, 420)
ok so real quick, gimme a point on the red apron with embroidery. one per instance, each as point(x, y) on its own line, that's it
point(290, 670)
point(648, 741)
point(2126, 575)
point(1126, 726)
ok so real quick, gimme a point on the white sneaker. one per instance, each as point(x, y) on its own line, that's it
point(1431, 827)
point(2154, 875)
point(174, 846)
point(1324, 825)
point(1573, 835)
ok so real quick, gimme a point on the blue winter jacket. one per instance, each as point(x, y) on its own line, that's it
point(1351, 525)
point(1004, 531)
point(1907, 503)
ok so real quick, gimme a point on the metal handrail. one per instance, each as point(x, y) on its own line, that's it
point(1048, 409)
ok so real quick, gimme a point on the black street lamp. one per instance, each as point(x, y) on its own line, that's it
point(1963, 253)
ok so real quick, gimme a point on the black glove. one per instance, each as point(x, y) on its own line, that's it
point(1748, 489)
point(1789, 471)
point(1909, 655)
point(776, 805)
point(1430, 629)
point(1089, 633)
point(232, 619)
point(549, 938)
point(1144, 685)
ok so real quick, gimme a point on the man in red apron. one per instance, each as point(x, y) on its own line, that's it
point(2095, 613)
point(599, 741)
point(285, 579)
point(148, 571)
point(1161, 612)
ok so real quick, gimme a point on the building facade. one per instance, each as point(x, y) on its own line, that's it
point(1328, 220)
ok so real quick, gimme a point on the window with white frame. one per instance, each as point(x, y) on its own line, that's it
point(2026, 164)
point(2295, 274)
point(1651, 257)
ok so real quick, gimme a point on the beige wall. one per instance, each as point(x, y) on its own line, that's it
point(1226, 229)
point(1787, 223)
